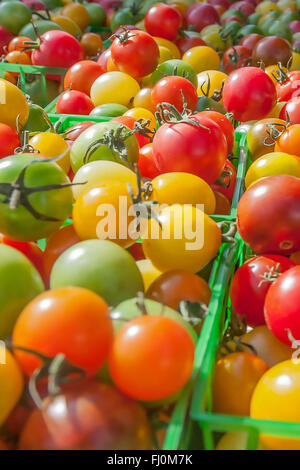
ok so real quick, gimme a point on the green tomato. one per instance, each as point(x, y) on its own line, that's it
point(14, 15)
point(230, 30)
point(123, 16)
point(254, 18)
point(96, 13)
point(101, 266)
point(248, 29)
point(80, 153)
point(281, 30)
point(109, 109)
point(20, 283)
point(34, 90)
point(232, 12)
point(52, 4)
point(32, 216)
point(174, 67)
point(213, 39)
point(42, 26)
point(289, 16)
point(205, 103)
point(36, 121)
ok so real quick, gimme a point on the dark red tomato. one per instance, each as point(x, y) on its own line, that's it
point(235, 57)
point(282, 306)
point(200, 15)
point(249, 286)
point(135, 53)
point(146, 163)
point(187, 41)
point(225, 125)
point(250, 40)
point(170, 90)
point(291, 110)
point(268, 215)
point(74, 102)
point(76, 130)
point(222, 3)
point(227, 181)
point(163, 21)
point(103, 59)
point(245, 7)
point(5, 38)
point(130, 122)
point(249, 94)
point(271, 50)
point(295, 26)
point(194, 149)
point(136, 251)
point(57, 49)
point(32, 252)
point(17, 419)
point(9, 140)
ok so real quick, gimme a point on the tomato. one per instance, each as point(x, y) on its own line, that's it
point(271, 50)
point(212, 36)
point(276, 163)
point(75, 131)
point(146, 163)
point(143, 99)
point(20, 283)
point(186, 41)
point(44, 321)
point(5, 38)
point(82, 152)
point(12, 104)
point(190, 251)
point(11, 381)
point(250, 286)
point(291, 111)
point(245, 7)
point(174, 286)
point(135, 53)
point(183, 188)
point(52, 145)
point(74, 102)
point(175, 90)
point(223, 205)
point(68, 25)
point(57, 243)
point(114, 87)
point(101, 266)
point(136, 250)
point(250, 40)
point(142, 113)
point(18, 44)
point(97, 14)
point(57, 49)
point(235, 441)
point(109, 109)
point(77, 13)
point(266, 345)
point(236, 376)
point(14, 15)
point(175, 67)
point(225, 184)
point(192, 149)
point(35, 434)
point(43, 26)
point(103, 59)
point(35, 91)
point(290, 87)
point(287, 142)
point(9, 140)
point(202, 58)
point(91, 43)
point(200, 15)
point(267, 215)
point(209, 82)
point(148, 271)
point(82, 75)
point(163, 21)
point(275, 398)
point(259, 139)
point(226, 127)
point(169, 45)
point(274, 71)
point(164, 54)
point(101, 172)
point(235, 57)
point(165, 348)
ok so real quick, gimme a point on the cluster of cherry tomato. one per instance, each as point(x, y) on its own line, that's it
point(100, 327)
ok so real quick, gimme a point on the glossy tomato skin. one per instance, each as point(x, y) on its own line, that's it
point(250, 40)
point(249, 94)
point(59, 242)
point(185, 43)
point(5, 38)
point(74, 102)
point(9, 140)
point(163, 21)
point(292, 110)
point(170, 90)
point(268, 215)
point(75, 131)
point(200, 15)
point(82, 75)
point(235, 58)
point(225, 125)
point(146, 163)
point(228, 181)
point(271, 50)
point(190, 148)
point(248, 289)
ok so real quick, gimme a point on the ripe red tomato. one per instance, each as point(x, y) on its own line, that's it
point(170, 90)
point(245, 7)
point(290, 87)
point(146, 163)
point(9, 140)
point(250, 40)
point(82, 75)
point(292, 110)
point(130, 122)
point(135, 52)
point(103, 59)
point(163, 21)
point(249, 287)
point(187, 41)
point(191, 148)
point(249, 94)
point(200, 15)
point(75, 131)
point(74, 102)
point(226, 182)
point(225, 125)
point(235, 57)
point(5, 38)
point(223, 3)
point(268, 215)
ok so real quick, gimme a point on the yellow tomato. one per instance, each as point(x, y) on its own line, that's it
point(202, 58)
point(235, 441)
point(209, 82)
point(142, 113)
point(264, 7)
point(147, 81)
point(12, 104)
point(78, 13)
point(284, 4)
point(211, 35)
point(148, 272)
point(272, 70)
point(275, 163)
point(169, 45)
point(114, 87)
point(11, 383)
point(100, 172)
point(183, 237)
point(68, 25)
point(276, 110)
point(52, 145)
point(183, 188)
point(295, 61)
point(143, 99)
point(164, 54)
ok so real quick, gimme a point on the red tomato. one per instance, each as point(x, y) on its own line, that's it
point(170, 90)
point(227, 181)
point(74, 102)
point(289, 88)
point(200, 15)
point(291, 110)
point(250, 40)
point(268, 215)
point(282, 306)
point(5, 38)
point(103, 59)
point(75, 131)
point(146, 163)
point(82, 75)
point(245, 7)
point(136, 251)
point(225, 125)
point(235, 57)
point(223, 3)
point(249, 94)
point(135, 53)
point(163, 21)
point(187, 41)
point(59, 242)
point(249, 289)
point(130, 122)
point(9, 140)
point(191, 148)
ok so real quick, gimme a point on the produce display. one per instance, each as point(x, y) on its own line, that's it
point(149, 225)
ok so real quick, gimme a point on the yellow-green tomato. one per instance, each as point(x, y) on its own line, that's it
point(114, 87)
point(275, 163)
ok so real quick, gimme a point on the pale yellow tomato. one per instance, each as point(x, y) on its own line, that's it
point(114, 87)
point(148, 271)
point(202, 58)
point(275, 163)
point(264, 7)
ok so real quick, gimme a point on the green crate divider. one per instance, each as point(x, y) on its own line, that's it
point(243, 163)
point(70, 120)
point(39, 70)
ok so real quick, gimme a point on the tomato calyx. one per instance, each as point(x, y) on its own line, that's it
point(280, 76)
point(217, 95)
point(227, 172)
point(193, 312)
point(274, 133)
point(124, 36)
point(228, 230)
point(270, 275)
point(167, 114)
point(231, 341)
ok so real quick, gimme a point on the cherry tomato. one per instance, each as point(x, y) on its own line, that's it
point(75, 131)
point(91, 43)
point(175, 90)
point(225, 184)
point(146, 163)
point(291, 111)
point(187, 41)
point(210, 82)
point(17, 57)
point(5, 38)
point(12, 383)
point(78, 13)
point(225, 125)
point(200, 15)
point(258, 137)
point(143, 99)
point(82, 75)
point(9, 140)
point(74, 102)
point(235, 57)
point(114, 87)
point(163, 21)
point(271, 50)
point(223, 206)
point(287, 142)
point(250, 40)
point(148, 271)
point(59, 242)
point(15, 105)
point(202, 58)
point(276, 163)
point(52, 145)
